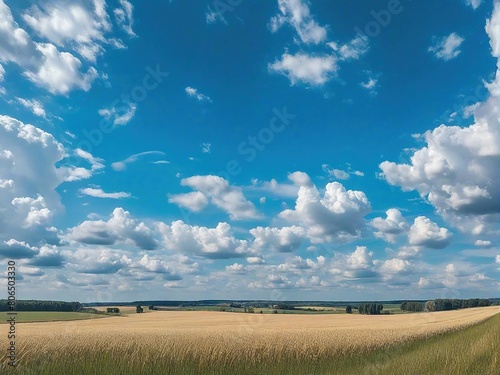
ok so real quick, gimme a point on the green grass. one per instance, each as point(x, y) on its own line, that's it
point(471, 351)
point(47, 316)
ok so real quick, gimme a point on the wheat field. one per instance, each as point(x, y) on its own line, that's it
point(200, 342)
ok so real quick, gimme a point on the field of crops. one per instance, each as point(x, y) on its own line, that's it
point(47, 316)
point(161, 342)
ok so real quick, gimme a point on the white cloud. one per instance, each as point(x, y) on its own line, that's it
point(237, 268)
point(356, 265)
point(195, 94)
point(28, 156)
point(206, 148)
point(257, 260)
point(74, 173)
point(119, 116)
point(218, 191)
point(447, 48)
point(297, 14)
point(391, 227)
point(78, 25)
point(482, 243)
point(341, 174)
point(59, 72)
point(213, 243)
point(122, 165)
point(96, 261)
point(309, 69)
point(474, 4)
point(193, 201)
point(13, 249)
point(338, 215)
point(354, 49)
point(120, 228)
point(287, 239)
point(159, 266)
point(212, 16)
point(124, 17)
point(275, 188)
point(99, 193)
point(426, 233)
point(457, 171)
point(34, 106)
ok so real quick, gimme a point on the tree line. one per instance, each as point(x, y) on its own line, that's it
point(369, 308)
point(36, 305)
point(443, 304)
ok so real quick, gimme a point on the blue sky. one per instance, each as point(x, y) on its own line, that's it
point(282, 149)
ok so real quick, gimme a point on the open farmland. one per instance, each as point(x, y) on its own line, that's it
point(48, 316)
point(227, 343)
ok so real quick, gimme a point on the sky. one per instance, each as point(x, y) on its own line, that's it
point(234, 149)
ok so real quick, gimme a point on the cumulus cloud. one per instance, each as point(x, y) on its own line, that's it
point(425, 232)
point(79, 26)
point(448, 47)
point(391, 227)
point(457, 169)
point(213, 243)
point(287, 239)
point(159, 266)
point(99, 193)
point(96, 261)
point(482, 243)
point(195, 94)
point(28, 198)
point(297, 14)
point(194, 201)
point(48, 256)
point(13, 249)
point(120, 228)
point(338, 215)
point(218, 191)
point(356, 265)
point(309, 69)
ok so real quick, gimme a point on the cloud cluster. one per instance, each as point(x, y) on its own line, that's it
point(78, 26)
point(216, 190)
point(120, 228)
point(335, 216)
point(314, 69)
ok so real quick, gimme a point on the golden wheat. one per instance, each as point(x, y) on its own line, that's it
point(226, 338)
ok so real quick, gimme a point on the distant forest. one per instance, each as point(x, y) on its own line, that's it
point(36, 305)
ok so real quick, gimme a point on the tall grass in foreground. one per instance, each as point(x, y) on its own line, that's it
point(472, 350)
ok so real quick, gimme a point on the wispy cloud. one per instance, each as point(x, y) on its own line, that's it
point(447, 48)
point(195, 94)
point(122, 165)
point(34, 106)
point(119, 116)
point(206, 148)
